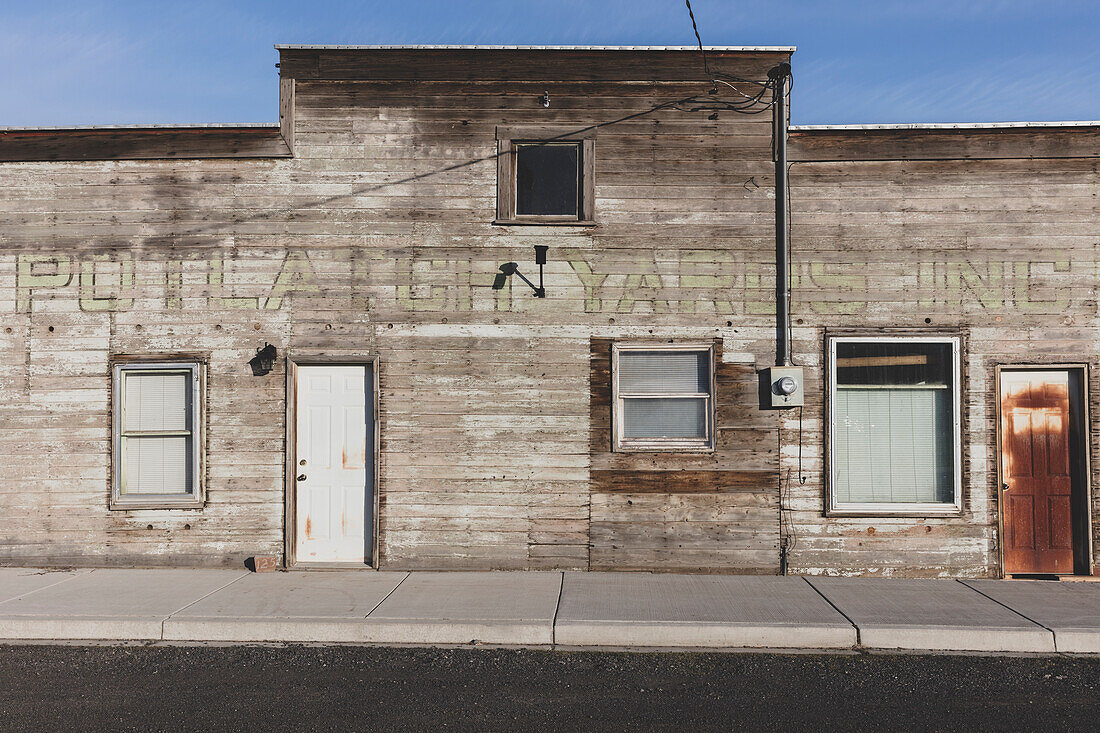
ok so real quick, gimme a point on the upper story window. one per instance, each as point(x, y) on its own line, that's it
point(894, 425)
point(157, 435)
point(544, 176)
point(664, 397)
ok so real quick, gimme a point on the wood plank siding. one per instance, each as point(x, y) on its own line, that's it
point(1001, 251)
point(148, 143)
point(711, 512)
point(363, 226)
point(377, 238)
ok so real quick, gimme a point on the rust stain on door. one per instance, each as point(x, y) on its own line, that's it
point(354, 462)
point(1036, 499)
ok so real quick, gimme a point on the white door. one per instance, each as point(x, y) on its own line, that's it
point(334, 472)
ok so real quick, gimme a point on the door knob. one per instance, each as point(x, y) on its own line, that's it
point(1005, 487)
point(301, 477)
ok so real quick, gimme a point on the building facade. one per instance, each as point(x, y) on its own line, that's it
point(333, 340)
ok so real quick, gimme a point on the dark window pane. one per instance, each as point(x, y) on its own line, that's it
point(893, 363)
point(547, 179)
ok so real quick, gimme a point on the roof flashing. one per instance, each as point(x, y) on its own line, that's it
point(475, 47)
point(944, 126)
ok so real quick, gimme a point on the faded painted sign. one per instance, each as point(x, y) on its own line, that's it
point(682, 282)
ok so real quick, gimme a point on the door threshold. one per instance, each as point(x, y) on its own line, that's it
point(331, 566)
point(1035, 576)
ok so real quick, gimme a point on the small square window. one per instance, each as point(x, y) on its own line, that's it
point(156, 436)
point(544, 180)
point(894, 425)
point(664, 397)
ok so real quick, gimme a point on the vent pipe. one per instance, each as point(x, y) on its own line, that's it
point(780, 77)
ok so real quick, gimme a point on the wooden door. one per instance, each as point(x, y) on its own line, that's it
point(1035, 468)
point(333, 463)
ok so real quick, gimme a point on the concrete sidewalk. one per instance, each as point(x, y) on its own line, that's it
point(550, 609)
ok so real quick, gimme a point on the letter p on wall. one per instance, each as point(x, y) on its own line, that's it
point(34, 271)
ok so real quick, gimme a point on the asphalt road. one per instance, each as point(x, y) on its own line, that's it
point(48, 687)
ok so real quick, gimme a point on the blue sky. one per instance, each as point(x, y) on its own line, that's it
point(96, 62)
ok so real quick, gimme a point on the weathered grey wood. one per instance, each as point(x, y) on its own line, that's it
point(142, 144)
point(940, 144)
point(494, 406)
point(527, 65)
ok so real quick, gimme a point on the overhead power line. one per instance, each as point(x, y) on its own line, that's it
point(702, 51)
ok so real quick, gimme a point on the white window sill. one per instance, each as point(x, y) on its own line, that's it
point(915, 511)
point(188, 503)
point(549, 222)
point(665, 448)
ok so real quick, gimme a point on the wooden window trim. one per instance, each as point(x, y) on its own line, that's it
point(833, 508)
point(196, 498)
point(507, 140)
point(663, 445)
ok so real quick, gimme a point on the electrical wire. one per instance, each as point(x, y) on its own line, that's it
point(717, 77)
point(706, 66)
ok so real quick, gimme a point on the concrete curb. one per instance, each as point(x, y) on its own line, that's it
point(572, 634)
point(64, 628)
point(703, 635)
point(356, 631)
point(956, 638)
point(1077, 641)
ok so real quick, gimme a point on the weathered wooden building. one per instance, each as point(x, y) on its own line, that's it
point(323, 340)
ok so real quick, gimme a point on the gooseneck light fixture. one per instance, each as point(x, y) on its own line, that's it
point(511, 268)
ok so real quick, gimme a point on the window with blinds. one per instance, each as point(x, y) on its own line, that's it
point(894, 424)
point(156, 416)
point(663, 397)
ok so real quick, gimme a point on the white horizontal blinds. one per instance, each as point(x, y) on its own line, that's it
point(156, 465)
point(894, 445)
point(893, 425)
point(665, 417)
point(664, 372)
point(665, 394)
point(156, 402)
point(157, 440)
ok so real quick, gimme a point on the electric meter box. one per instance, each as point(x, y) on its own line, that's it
point(785, 386)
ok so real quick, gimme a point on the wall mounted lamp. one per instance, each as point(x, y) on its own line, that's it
point(264, 360)
point(511, 268)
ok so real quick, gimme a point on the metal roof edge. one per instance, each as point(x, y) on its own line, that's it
point(158, 126)
point(441, 47)
point(944, 126)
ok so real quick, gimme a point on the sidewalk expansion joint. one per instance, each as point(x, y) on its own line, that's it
point(859, 640)
point(36, 590)
point(966, 585)
point(203, 597)
point(376, 605)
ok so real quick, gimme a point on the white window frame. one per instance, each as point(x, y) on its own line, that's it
point(916, 509)
point(192, 500)
point(622, 444)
